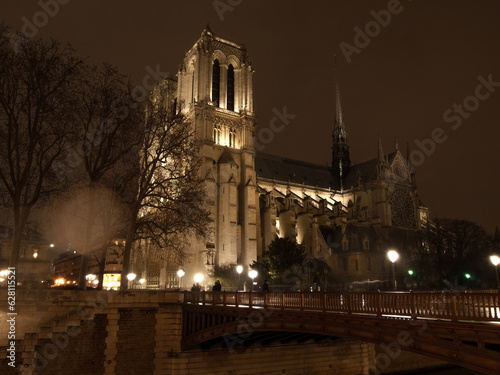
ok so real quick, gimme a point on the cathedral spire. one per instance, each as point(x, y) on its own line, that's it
point(340, 150)
point(338, 105)
point(207, 30)
point(380, 150)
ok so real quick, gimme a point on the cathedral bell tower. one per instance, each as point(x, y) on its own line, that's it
point(215, 92)
point(340, 151)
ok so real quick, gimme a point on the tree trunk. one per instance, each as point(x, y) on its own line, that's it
point(102, 265)
point(126, 257)
point(20, 218)
point(82, 281)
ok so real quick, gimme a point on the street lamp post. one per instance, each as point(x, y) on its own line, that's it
point(393, 257)
point(198, 278)
point(252, 274)
point(495, 259)
point(239, 269)
point(180, 274)
point(131, 277)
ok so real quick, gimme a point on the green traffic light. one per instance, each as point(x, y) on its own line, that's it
point(467, 276)
point(410, 272)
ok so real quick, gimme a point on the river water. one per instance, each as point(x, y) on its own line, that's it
point(447, 371)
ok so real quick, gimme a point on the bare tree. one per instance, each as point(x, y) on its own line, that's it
point(108, 131)
point(167, 206)
point(37, 108)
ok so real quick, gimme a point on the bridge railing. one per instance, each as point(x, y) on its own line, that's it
point(452, 305)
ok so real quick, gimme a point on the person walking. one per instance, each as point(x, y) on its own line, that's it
point(217, 286)
point(265, 286)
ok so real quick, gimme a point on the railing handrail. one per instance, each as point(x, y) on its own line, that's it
point(448, 305)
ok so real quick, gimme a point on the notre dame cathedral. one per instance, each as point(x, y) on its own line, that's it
point(340, 213)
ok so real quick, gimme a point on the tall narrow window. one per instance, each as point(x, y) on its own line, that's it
point(216, 82)
point(230, 88)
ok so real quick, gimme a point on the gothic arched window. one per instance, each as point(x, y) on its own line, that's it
point(232, 138)
point(216, 82)
point(216, 134)
point(230, 88)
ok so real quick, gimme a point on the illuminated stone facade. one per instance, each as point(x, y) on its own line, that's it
point(339, 213)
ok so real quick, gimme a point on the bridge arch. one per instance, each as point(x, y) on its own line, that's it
point(468, 344)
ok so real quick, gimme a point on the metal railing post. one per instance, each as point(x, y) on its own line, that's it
point(413, 310)
point(379, 303)
point(454, 307)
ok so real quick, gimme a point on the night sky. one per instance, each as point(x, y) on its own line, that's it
point(429, 57)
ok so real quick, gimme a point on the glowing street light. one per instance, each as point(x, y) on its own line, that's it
point(393, 257)
point(252, 274)
point(239, 269)
point(495, 260)
point(180, 275)
point(131, 276)
point(198, 278)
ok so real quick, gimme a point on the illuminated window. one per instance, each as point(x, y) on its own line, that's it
point(345, 244)
point(366, 244)
point(216, 82)
point(210, 258)
point(230, 88)
point(216, 134)
point(232, 138)
point(35, 253)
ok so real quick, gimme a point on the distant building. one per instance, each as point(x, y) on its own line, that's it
point(35, 258)
point(67, 267)
point(343, 213)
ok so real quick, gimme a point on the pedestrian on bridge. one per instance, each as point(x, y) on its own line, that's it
point(265, 286)
point(217, 286)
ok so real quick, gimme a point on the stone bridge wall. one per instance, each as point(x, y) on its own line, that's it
point(139, 332)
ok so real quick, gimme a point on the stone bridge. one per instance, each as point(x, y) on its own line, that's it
point(159, 332)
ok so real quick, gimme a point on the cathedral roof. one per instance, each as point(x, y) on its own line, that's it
point(295, 171)
point(300, 172)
